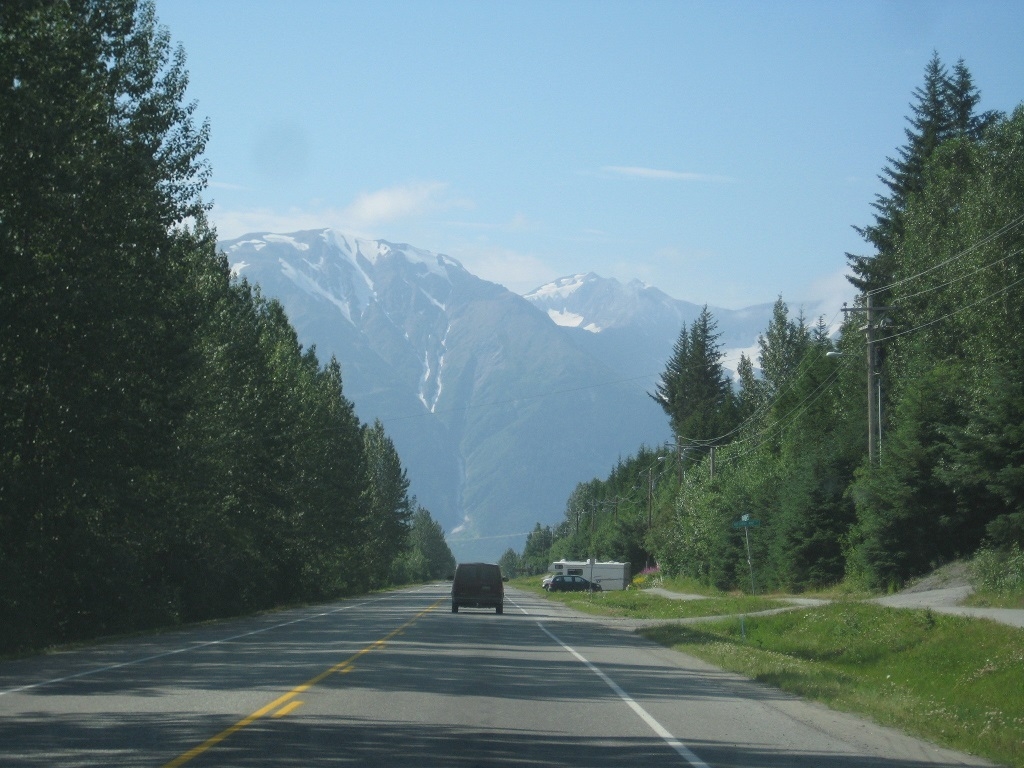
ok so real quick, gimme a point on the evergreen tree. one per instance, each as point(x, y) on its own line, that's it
point(963, 98)
point(751, 393)
point(694, 390)
point(944, 108)
point(782, 347)
point(816, 462)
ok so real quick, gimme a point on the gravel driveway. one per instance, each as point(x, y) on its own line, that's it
point(941, 591)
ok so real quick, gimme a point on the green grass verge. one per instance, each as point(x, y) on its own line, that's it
point(634, 604)
point(953, 680)
point(956, 681)
point(989, 598)
point(637, 604)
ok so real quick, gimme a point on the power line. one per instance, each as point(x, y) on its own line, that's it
point(959, 255)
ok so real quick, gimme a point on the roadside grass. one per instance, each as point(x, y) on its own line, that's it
point(637, 604)
point(688, 586)
point(956, 681)
point(953, 680)
point(998, 578)
point(987, 598)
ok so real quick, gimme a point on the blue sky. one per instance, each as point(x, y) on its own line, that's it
point(720, 151)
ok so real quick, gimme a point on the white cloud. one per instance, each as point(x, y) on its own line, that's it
point(235, 223)
point(399, 202)
point(361, 218)
point(635, 172)
point(831, 292)
point(519, 272)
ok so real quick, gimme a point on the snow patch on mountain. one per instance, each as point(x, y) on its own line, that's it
point(312, 286)
point(572, 320)
point(446, 360)
point(561, 288)
point(731, 358)
point(286, 240)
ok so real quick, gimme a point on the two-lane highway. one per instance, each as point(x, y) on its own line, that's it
point(397, 679)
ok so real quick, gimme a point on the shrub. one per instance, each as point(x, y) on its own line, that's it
point(648, 577)
point(999, 570)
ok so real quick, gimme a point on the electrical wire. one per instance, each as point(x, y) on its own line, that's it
point(1009, 227)
point(797, 375)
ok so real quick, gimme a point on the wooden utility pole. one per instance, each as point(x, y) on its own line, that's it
point(873, 387)
point(869, 334)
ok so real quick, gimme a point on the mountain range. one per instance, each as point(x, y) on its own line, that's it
point(498, 404)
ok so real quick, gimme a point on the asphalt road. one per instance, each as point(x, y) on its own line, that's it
point(398, 680)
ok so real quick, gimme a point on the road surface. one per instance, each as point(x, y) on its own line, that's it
point(398, 680)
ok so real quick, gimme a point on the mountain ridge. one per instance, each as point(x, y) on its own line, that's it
point(497, 409)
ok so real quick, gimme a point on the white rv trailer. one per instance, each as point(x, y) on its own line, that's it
point(608, 575)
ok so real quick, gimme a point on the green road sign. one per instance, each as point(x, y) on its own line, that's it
point(747, 524)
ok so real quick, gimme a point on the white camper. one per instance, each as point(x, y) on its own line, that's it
point(609, 575)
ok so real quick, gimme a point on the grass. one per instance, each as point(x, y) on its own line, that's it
point(635, 604)
point(986, 598)
point(998, 578)
point(955, 681)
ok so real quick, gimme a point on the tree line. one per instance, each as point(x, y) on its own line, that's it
point(785, 441)
point(168, 450)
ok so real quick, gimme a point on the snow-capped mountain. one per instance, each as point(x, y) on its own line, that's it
point(633, 327)
point(498, 404)
point(496, 411)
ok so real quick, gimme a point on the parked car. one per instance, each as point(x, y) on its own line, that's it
point(565, 583)
point(478, 585)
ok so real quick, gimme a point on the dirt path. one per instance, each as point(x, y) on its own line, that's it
point(941, 591)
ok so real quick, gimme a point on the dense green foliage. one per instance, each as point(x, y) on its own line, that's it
point(787, 443)
point(998, 576)
point(428, 557)
point(168, 451)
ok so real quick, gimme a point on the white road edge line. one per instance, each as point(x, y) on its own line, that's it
point(680, 748)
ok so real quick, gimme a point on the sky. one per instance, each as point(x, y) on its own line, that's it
point(721, 151)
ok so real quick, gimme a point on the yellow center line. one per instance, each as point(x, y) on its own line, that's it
point(288, 708)
point(280, 701)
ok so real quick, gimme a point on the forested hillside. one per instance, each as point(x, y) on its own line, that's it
point(168, 451)
point(938, 325)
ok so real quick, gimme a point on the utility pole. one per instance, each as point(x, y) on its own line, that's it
point(650, 497)
point(874, 385)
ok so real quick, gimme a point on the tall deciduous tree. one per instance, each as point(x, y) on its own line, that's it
point(388, 507)
point(428, 555)
point(100, 164)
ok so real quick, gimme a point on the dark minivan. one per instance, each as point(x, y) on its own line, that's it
point(478, 585)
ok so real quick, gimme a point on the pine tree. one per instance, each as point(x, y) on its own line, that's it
point(694, 390)
point(944, 108)
point(930, 124)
